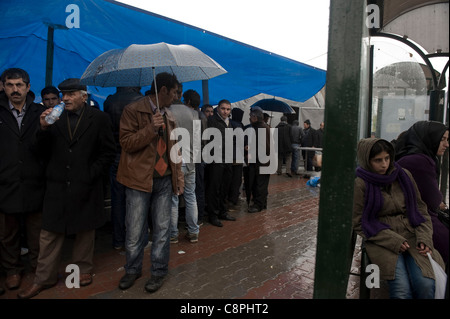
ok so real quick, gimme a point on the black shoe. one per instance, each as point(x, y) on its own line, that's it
point(128, 280)
point(215, 221)
point(254, 209)
point(288, 174)
point(226, 217)
point(154, 283)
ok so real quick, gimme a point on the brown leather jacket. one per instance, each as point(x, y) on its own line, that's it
point(138, 139)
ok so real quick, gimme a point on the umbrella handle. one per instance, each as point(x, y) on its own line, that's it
point(156, 88)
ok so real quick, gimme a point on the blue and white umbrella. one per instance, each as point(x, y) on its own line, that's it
point(137, 64)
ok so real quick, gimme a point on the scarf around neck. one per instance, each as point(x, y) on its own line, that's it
point(374, 199)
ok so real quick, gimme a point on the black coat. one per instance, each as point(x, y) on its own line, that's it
point(74, 199)
point(284, 138)
point(114, 105)
point(256, 143)
point(319, 138)
point(22, 182)
point(215, 121)
point(309, 138)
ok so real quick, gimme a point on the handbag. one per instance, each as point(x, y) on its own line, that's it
point(440, 279)
point(317, 159)
point(443, 216)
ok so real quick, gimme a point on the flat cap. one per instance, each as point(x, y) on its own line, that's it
point(71, 84)
point(257, 111)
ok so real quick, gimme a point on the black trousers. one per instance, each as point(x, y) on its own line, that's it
point(215, 196)
point(308, 156)
point(233, 183)
point(260, 190)
point(11, 228)
point(200, 189)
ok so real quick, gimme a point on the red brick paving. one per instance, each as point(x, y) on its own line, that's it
point(290, 204)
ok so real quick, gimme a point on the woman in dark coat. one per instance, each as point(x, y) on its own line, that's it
point(418, 150)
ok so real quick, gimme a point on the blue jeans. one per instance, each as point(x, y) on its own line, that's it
point(295, 158)
point(138, 205)
point(191, 205)
point(409, 282)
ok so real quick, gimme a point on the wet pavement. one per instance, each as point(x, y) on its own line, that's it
point(265, 255)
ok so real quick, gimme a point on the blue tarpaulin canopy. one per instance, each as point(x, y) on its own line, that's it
point(84, 29)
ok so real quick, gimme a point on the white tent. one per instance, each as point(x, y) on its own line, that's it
point(312, 109)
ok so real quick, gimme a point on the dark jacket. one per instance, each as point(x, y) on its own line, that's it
point(216, 121)
point(238, 136)
point(296, 134)
point(309, 137)
point(256, 144)
point(423, 169)
point(74, 199)
point(114, 105)
point(319, 138)
point(22, 182)
point(284, 138)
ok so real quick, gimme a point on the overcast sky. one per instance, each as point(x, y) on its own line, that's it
point(296, 29)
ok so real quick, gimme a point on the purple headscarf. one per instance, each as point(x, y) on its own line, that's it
point(374, 199)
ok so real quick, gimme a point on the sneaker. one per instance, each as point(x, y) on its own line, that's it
point(193, 238)
point(174, 240)
point(154, 283)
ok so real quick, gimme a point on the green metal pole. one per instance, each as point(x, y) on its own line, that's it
point(346, 89)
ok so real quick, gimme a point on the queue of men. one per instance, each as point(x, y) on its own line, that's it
point(53, 177)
